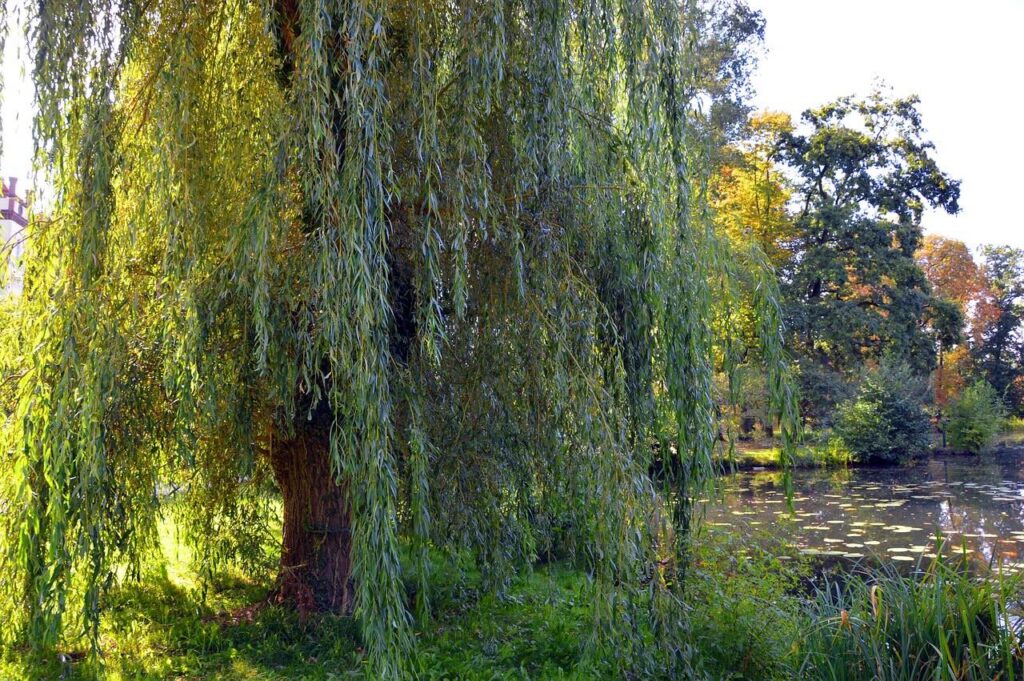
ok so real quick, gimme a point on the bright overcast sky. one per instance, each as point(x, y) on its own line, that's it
point(964, 59)
point(16, 103)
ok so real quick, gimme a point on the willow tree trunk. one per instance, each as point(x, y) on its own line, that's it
point(316, 552)
point(316, 547)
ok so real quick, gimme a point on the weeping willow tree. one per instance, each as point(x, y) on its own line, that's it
point(439, 275)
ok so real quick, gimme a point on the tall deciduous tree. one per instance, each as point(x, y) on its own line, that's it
point(1000, 354)
point(864, 175)
point(749, 193)
point(748, 199)
point(728, 36)
point(432, 271)
point(955, 277)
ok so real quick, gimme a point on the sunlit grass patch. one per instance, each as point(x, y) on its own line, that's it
point(809, 456)
point(172, 625)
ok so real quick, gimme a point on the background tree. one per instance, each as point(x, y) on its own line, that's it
point(433, 272)
point(1000, 352)
point(863, 176)
point(728, 36)
point(747, 197)
point(955, 277)
point(951, 270)
point(749, 193)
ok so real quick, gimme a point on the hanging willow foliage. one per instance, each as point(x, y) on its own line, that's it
point(452, 258)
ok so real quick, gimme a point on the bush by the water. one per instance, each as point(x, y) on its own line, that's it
point(744, 614)
point(975, 418)
point(885, 421)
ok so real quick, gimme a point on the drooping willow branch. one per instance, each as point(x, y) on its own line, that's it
point(268, 209)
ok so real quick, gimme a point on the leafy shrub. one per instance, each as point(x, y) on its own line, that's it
point(831, 451)
point(745, 612)
point(885, 422)
point(975, 418)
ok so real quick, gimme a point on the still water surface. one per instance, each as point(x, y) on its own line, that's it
point(887, 514)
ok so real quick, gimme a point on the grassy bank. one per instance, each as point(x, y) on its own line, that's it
point(1013, 433)
point(751, 616)
point(160, 630)
point(170, 625)
point(163, 629)
point(768, 455)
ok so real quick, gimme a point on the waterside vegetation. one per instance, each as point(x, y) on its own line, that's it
point(397, 339)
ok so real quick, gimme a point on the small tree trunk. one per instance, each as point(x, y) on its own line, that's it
point(316, 550)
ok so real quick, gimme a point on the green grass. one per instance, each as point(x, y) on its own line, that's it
point(161, 629)
point(749, 616)
point(168, 626)
point(808, 456)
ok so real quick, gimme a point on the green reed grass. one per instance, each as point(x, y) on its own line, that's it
point(941, 622)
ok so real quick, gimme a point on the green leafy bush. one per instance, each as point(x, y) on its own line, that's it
point(745, 612)
point(885, 421)
point(975, 418)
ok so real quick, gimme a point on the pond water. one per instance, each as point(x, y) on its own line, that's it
point(887, 514)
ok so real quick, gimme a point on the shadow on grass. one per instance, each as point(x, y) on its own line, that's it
point(155, 629)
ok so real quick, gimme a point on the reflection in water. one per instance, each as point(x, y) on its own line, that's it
point(891, 514)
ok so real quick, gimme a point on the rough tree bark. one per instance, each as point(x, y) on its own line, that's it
point(316, 552)
point(316, 546)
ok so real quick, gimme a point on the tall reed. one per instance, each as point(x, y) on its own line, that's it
point(941, 622)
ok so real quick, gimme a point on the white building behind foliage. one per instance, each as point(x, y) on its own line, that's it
point(13, 221)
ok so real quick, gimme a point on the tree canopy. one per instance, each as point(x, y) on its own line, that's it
point(863, 176)
point(443, 274)
point(951, 270)
point(1000, 350)
point(958, 280)
point(751, 195)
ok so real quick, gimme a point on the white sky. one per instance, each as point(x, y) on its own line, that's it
point(964, 59)
point(16, 105)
